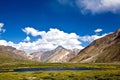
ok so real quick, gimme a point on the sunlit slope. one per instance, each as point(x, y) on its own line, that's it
point(105, 49)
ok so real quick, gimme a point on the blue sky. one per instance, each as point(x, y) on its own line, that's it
point(81, 17)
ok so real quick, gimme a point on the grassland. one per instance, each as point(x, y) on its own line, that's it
point(7, 64)
point(63, 75)
point(111, 72)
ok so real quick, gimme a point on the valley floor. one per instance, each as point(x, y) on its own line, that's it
point(111, 71)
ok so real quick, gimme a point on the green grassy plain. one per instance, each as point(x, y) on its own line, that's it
point(62, 75)
point(111, 71)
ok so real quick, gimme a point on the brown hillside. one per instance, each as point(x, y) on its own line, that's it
point(105, 49)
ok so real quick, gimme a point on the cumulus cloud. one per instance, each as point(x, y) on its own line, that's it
point(27, 39)
point(99, 6)
point(32, 31)
point(98, 30)
point(1, 27)
point(7, 43)
point(90, 38)
point(53, 38)
point(94, 6)
point(49, 40)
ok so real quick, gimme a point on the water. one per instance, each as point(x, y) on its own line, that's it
point(51, 69)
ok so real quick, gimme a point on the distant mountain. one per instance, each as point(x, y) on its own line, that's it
point(59, 54)
point(10, 52)
point(41, 56)
point(76, 51)
point(105, 49)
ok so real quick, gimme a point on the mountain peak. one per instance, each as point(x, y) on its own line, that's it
point(118, 32)
point(10, 48)
point(59, 48)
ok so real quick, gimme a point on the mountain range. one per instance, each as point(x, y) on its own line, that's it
point(59, 54)
point(105, 49)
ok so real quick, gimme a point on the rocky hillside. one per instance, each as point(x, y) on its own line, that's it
point(8, 51)
point(105, 49)
point(59, 54)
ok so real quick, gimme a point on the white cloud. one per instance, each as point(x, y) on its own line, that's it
point(27, 39)
point(99, 6)
point(50, 40)
point(5, 43)
point(32, 31)
point(94, 6)
point(1, 27)
point(91, 38)
point(98, 30)
point(53, 38)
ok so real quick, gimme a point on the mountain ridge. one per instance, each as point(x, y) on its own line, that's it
point(10, 54)
point(59, 54)
point(105, 49)
point(101, 50)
